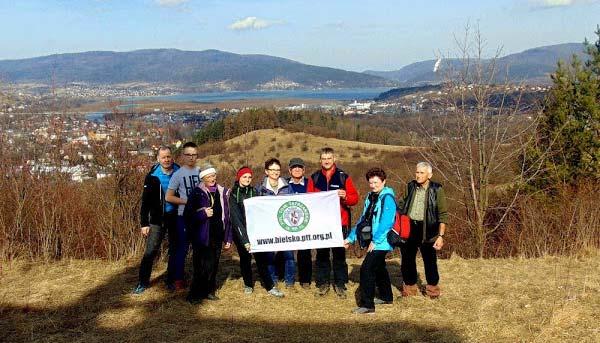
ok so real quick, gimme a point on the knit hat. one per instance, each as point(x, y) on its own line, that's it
point(207, 169)
point(241, 172)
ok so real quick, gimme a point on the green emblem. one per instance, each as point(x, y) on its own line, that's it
point(293, 216)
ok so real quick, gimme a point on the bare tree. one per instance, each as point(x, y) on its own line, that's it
point(476, 138)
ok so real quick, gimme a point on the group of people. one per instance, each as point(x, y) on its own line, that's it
point(188, 205)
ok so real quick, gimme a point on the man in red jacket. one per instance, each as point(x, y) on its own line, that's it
point(327, 179)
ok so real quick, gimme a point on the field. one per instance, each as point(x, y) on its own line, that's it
point(549, 299)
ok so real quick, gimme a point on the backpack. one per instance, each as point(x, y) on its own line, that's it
point(400, 230)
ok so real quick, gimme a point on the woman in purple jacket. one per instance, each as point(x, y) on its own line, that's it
point(207, 219)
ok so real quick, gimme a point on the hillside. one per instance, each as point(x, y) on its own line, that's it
point(505, 300)
point(192, 70)
point(531, 66)
point(257, 146)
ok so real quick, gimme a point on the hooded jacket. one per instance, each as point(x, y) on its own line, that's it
point(382, 221)
point(153, 204)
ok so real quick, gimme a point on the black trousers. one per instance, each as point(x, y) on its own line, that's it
point(245, 262)
point(153, 242)
point(304, 258)
point(262, 265)
point(206, 263)
point(409, 256)
point(246, 266)
point(373, 273)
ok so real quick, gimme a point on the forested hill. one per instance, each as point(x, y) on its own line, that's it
point(532, 66)
point(207, 70)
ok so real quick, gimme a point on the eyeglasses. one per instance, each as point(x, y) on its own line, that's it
point(275, 170)
point(190, 155)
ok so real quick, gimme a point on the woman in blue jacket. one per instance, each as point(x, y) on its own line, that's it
point(371, 231)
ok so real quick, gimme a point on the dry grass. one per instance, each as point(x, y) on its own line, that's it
point(257, 146)
point(515, 300)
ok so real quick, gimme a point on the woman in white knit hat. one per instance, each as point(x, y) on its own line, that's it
point(207, 217)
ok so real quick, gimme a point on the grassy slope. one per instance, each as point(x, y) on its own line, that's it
point(257, 146)
point(536, 300)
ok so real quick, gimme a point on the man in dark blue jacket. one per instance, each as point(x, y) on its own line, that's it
point(157, 217)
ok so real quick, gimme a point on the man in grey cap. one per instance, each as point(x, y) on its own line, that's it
point(298, 183)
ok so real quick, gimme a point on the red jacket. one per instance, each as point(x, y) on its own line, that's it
point(334, 182)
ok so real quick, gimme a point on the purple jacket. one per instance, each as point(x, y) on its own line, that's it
point(196, 220)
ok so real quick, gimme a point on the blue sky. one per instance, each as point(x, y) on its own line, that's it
point(352, 35)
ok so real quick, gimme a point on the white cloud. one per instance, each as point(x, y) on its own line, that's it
point(170, 3)
point(560, 3)
point(253, 23)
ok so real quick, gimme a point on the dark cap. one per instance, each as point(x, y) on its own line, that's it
point(296, 161)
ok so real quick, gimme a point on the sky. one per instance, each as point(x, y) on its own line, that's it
point(347, 34)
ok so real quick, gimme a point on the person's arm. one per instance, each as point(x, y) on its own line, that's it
point(442, 218)
point(351, 197)
point(227, 222)
point(351, 239)
point(236, 215)
point(311, 188)
point(145, 205)
point(173, 199)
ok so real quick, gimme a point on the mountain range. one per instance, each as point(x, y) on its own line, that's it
point(196, 70)
point(217, 70)
point(532, 66)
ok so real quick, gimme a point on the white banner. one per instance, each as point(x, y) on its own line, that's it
point(294, 222)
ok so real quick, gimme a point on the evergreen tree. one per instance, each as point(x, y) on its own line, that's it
point(567, 148)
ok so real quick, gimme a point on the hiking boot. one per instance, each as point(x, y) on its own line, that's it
point(170, 286)
point(305, 285)
point(433, 291)
point(363, 310)
point(248, 290)
point(378, 301)
point(276, 293)
point(340, 292)
point(212, 297)
point(409, 291)
point(193, 300)
point(290, 287)
point(322, 290)
point(139, 289)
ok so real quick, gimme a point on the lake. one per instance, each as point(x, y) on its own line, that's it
point(324, 94)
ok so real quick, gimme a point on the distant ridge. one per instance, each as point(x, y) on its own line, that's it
point(532, 66)
point(195, 70)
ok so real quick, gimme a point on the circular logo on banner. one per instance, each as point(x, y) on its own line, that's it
point(293, 216)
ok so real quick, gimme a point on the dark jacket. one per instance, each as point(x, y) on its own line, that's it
point(152, 209)
point(262, 188)
point(339, 180)
point(435, 208)
point(237, 211)
point(196, 219)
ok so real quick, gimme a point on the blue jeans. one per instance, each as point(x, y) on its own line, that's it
point(178, 250)
point(290, 266)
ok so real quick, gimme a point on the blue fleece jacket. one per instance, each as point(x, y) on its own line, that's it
point(382, 221)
